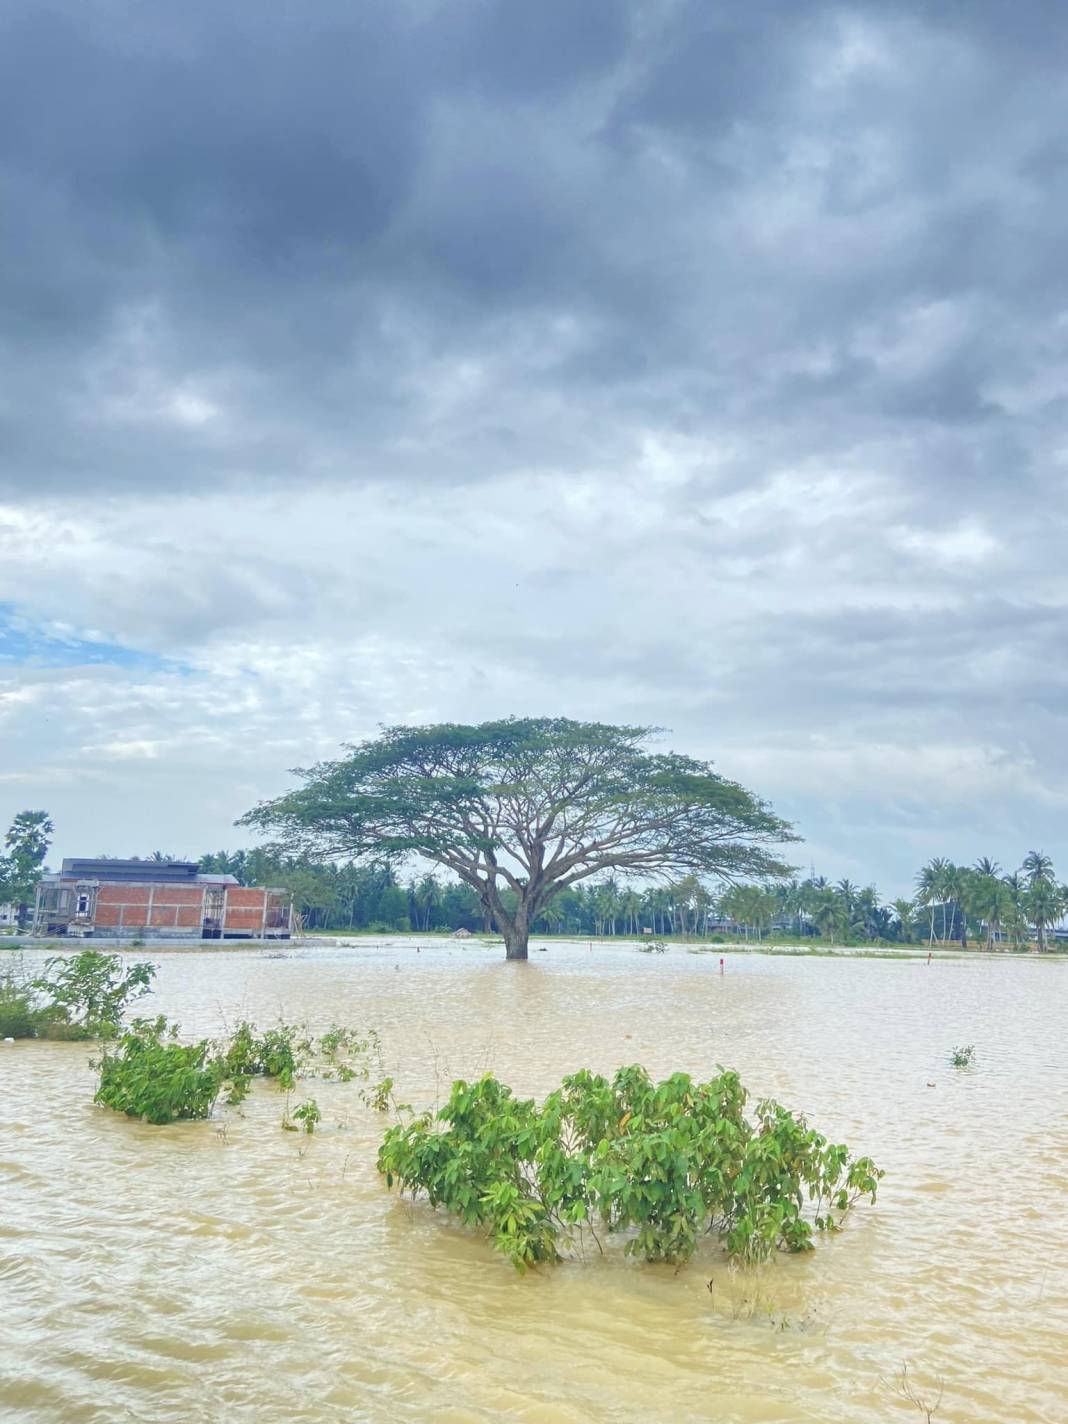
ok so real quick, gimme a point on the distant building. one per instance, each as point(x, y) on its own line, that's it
point(9, 914)
point(131, 899)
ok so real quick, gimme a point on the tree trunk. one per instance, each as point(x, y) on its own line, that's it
point(516, 937)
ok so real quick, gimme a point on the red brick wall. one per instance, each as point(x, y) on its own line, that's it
point(173, 906)
point(177, 907)
point(244, 909)
point(122, 895)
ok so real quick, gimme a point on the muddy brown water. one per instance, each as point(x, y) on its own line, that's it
point(232, 1271)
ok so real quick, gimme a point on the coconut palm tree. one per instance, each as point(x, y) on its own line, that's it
point(1044, 905)
point(830, 916)
point(928, 890)
point(866, 909)
point(1037, 866)
point(903, 910)
point(989, 897)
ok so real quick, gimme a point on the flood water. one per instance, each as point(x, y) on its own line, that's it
point(231, 1271)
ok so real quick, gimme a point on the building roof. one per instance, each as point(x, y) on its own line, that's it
point(154, 872)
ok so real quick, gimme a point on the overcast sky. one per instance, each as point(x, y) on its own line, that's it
point(702, 364)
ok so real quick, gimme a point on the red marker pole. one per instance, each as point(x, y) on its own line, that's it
point(721, 966)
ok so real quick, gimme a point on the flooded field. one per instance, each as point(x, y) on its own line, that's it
point(232, 1271)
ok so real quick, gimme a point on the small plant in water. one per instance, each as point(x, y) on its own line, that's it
point(652, 946)
point(664, 1163)
point(962, 1057)
point(908, 1391)
point(380, 1096)
point(308, 1115)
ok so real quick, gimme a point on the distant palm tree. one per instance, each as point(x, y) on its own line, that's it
point(1044, 905)
point(848, 892)
point(929, 890)
point(903, 910)
point(989, 897)
point(1037, 866)
point(866, 908)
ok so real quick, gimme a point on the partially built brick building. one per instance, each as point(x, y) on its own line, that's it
point(145, 899)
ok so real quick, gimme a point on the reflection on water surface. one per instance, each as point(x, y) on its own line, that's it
point(230, 1271)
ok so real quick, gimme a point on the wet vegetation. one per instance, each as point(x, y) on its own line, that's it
point(662, 1164)
point(151, 1075)
point(80, 997)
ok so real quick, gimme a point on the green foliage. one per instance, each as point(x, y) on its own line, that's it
point(88, 993)
point(662, 1163)
point(288, 1051)
point(150, 1075)
point(277, 1052)
point(308, 1115)
point(381, 1097)
point(26, 844)
point(962, 1057)
point(18, 1004)
point(520, 810)
point(80, 997)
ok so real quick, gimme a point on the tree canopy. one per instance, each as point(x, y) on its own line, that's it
point(26, 844)
point(528, 806)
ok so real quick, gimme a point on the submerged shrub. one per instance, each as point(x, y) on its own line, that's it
point(663, 1163)
point(18, 1006)
point(962, 1057)
point(88, 993)
point(152, 1076)
point(308, 1114)
point(273, 1053)
point(82, 996)
point(288, 1052)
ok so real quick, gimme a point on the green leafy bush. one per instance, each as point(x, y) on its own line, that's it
point(288, 1052)
point(152, 1076)
point(273, 1053)
point(82, 996)
point(308, 1115)
point(962, 1057)
point(88, 993)
point(663, 1163)
point(380, 1096)
point(18, 1005)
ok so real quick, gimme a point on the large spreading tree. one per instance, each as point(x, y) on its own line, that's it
point(522, 808)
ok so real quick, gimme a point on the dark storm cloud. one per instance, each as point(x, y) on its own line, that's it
point(248, 241)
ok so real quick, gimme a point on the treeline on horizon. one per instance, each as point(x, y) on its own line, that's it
point(980, 903)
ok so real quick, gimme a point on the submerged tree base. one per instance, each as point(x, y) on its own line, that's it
point(665, 1163)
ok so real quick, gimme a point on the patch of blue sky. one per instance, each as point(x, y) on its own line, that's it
point(27, 644)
